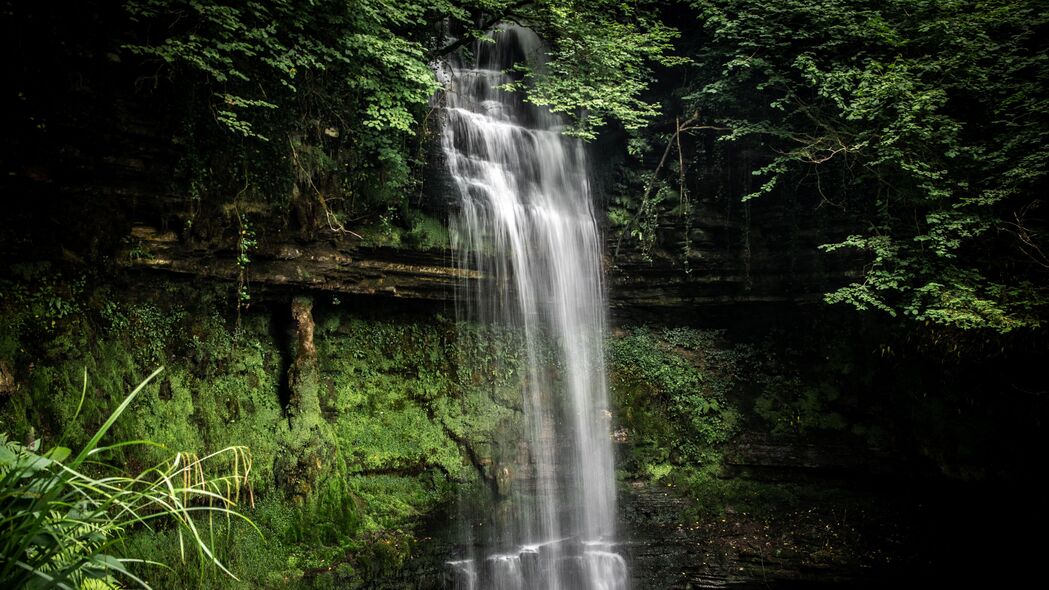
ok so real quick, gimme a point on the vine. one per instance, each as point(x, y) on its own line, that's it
point(246, 244)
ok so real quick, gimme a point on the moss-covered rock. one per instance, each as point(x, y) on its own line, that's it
point(360, 428)
point(673, 395)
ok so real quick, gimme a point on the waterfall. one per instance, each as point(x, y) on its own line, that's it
point(526, 220)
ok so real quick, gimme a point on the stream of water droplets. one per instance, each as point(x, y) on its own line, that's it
point(526, 220)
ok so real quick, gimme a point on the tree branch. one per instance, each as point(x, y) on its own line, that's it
point(679, 128)
point(488, 24)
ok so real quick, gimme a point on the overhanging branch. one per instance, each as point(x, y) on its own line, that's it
point(485, 26)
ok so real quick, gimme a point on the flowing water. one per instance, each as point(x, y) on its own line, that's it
point(526, 220)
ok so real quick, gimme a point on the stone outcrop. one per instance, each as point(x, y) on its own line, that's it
point(760, 455)
point(720, 276)
point(335, 266)
point(764, 254)
point(7, 379)
point(300, 467)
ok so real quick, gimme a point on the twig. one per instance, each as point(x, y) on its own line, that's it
point(687, 126)
point(333, 222)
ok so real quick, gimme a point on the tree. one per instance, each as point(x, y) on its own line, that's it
point(925, 122)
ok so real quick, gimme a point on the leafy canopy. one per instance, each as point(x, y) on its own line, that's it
point(925, 121)
point(332, 98)
point(599, 64)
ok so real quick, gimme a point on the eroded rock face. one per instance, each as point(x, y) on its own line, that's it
point(7, 379)
point(764, 255)
point(719, 278)
point(333, 266)
point(303, 462)
point(305, 362)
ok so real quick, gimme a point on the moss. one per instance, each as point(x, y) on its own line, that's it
point(670, 391)
point(227, 397)
point(405, 408)
point(265, 558)
point(303, 459)
point(401, 393)
point(427, 233)
point(381, 377)
point(419, 232)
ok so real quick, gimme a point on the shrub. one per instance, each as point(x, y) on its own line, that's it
point(60, 518)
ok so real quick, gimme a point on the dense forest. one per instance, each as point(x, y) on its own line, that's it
point(233, 351)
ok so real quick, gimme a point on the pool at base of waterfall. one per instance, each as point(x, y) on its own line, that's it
point(565, 564)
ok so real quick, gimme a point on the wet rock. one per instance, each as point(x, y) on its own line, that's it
point(339, 265)
point(7, 379)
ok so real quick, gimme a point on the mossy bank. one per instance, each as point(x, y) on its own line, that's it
point(355, 442)
point(812, 451)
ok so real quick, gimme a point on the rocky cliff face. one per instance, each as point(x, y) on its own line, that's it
point(732, 263)
point(738, 255)
point(339, 265)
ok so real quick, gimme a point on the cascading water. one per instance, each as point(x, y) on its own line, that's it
point(526, 220)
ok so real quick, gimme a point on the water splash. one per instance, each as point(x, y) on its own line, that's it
point(525, 218)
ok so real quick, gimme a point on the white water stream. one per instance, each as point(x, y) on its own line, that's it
point(526, 220)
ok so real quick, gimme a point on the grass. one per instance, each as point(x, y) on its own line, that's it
point(63, 519)
point(400, 397)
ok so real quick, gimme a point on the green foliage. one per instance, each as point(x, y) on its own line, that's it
point(327, 106)
point(245, 49)
point(659, 471)
point(600, 62)
point(927, 120)
point(427, 233)
point(41, 297)
point(639, 219)
point(246, 244)
point(398, 400)
point(422, 232)
point(228, 396)
point(262, 558)
point(671, 389)
point(679, 393)
point(62, 517)
point(322, 104)
point(347, 85)
point(790, 405)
